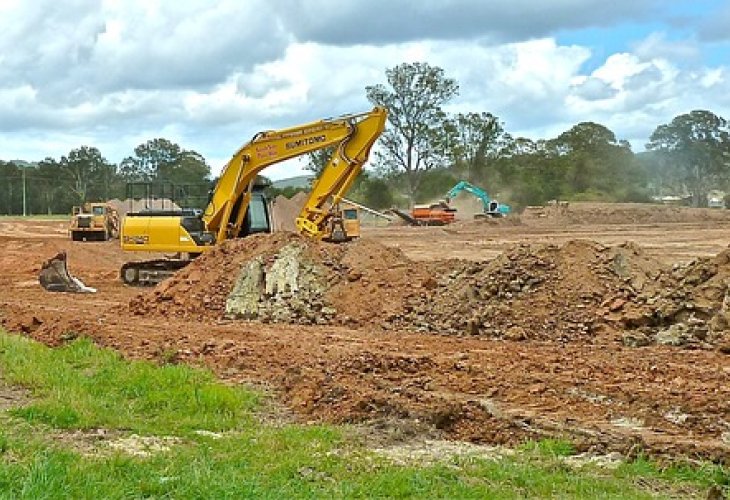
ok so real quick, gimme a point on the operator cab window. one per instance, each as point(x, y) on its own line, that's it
point(98, 210)
point(257, 214)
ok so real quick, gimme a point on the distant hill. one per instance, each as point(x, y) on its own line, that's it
point(300, 181)
point(25, 164)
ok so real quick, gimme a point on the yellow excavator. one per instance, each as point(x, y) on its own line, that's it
point(237, 205)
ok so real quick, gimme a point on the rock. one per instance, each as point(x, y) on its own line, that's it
point(353, 275)
point(328, 311)
point(515, 333)
point(636, 339)
point(472, 327)
point(675, 335)
point(616, 304)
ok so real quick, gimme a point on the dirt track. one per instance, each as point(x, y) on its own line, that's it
point(600, 393)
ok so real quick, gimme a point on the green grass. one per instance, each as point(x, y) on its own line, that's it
point(549, 448)
point(80, 387)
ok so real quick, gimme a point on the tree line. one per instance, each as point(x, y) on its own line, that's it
point(422, 153)
point(53, 186)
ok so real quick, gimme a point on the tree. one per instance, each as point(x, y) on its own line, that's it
point(10, 178)
point(594, 163)
point(377, 194)
point(416, 140)
point(477, 139)
point(372, 191)
point(160, 160)
point(86, 173)
point(695, 148)
point(50, 190)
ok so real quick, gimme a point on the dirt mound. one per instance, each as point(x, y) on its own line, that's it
point(285, 211)
point(692, 309)
point(618, 213)
point(580, 290)
point(287, 278)
point(201, 289)
point(533, 291)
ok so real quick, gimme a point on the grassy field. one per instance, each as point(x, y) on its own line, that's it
point(84, 423)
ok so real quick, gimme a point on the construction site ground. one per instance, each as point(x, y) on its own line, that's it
point(598, 392)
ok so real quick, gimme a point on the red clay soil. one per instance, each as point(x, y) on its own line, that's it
point(594, 390)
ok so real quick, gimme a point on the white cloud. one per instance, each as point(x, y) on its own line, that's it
point(593, 89)
point(116, 73)
point(656, 45)
point(383, 22)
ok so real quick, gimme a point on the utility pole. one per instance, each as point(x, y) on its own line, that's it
point(25, 212)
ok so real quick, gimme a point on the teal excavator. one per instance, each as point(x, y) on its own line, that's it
point(492, 208)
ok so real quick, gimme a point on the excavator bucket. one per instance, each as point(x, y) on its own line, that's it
point(54, 277)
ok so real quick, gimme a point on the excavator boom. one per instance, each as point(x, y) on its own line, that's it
point(316, 219)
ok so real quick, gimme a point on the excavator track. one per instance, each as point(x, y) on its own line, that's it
point(150, 272)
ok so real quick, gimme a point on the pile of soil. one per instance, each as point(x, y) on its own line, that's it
point(288, 278)
point(285, 211)
point(692, 309)
point(618, 213)
point(579, 291)
point(200, 290)
point(534, 291)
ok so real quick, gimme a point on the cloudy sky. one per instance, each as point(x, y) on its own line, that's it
point(209, 74)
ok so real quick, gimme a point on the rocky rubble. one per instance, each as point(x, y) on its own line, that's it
point(579, 291)
point(287, 288)
point(692, 309)
point(533, 291)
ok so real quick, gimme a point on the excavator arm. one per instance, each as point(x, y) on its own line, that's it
point(469, 188)
point(352, 135)
point(320, 216)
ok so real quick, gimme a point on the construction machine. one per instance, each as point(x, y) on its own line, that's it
point(94, 222)
point(491, 208)
point(441, 212)
point(433, 214)
point(238, 207)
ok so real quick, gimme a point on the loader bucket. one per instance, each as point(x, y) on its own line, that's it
point(54, 277)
